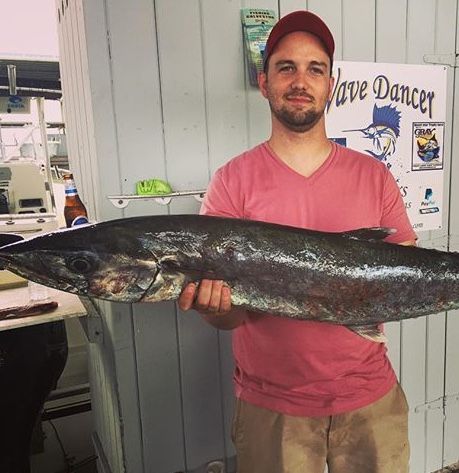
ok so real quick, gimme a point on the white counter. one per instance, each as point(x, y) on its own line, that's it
point(69, 306)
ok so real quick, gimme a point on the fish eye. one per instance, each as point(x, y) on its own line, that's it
point(81, 264)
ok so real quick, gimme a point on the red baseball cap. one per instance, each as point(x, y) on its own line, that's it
point(301, 20)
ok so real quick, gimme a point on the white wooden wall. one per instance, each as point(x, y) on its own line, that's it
point(156, 88)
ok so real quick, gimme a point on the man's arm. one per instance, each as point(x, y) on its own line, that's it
point(212, 299)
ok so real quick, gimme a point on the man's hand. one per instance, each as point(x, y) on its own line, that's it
point(212, 299)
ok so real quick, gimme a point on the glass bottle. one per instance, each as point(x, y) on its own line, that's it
point(74, 210)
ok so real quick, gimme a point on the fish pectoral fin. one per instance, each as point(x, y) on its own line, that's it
point(166, 287)
point(370, 234)
point(370, 332)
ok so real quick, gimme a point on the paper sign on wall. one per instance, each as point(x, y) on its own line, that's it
point(396, 113)
point(256, 26)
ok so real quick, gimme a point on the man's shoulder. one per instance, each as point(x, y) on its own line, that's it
point(360, 159)
point(247, 158)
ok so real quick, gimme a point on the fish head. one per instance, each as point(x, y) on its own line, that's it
point(85, 261)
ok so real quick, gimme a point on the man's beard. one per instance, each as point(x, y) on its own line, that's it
point(297, 121)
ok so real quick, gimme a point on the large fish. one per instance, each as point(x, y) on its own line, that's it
point(352, 278)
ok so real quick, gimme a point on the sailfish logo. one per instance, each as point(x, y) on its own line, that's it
point(383, 132)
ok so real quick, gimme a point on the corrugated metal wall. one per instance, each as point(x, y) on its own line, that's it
point(156, 88)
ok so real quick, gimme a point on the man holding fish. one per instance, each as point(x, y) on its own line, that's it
point(309, 394)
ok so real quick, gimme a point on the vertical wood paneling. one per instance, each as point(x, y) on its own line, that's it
point(108, 413)
point(79, 157)
point(421, 34)
point(87, 170)
point(331, 12)
point(119, 341)
point(105, 160)
point(88, 164)
point(160, 388)
point(451, 431)
point(391, 30)
point(227, 388)
point(359, 30)
point(136, 97)
point(226, 105)
point(435, 360)
point(445, 39)
point(413, 378)
point(417, 343)
point(288, 6)
point(64, 66)
point(182, 88)
point(445, 34)
point(104, 405)
point(69, 89)
point(201, 390)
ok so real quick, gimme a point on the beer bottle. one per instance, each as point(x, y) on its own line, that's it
point(74, 210)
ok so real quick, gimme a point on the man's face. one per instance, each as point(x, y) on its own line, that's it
point(297, 83)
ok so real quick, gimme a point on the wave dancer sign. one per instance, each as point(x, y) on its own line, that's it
point(396, 113)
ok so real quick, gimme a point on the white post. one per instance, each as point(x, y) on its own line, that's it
point(44, 142)
point(2, 146)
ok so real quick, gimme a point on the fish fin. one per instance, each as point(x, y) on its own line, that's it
point(370, 234)
point(370, 332)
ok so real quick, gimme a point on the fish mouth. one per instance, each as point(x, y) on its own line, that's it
point(9, 262)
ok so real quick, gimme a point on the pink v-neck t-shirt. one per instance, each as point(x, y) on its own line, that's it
point(297, 367)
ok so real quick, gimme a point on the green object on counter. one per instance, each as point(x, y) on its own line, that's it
point(153, 187)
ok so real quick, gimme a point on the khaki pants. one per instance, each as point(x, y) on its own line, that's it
point(373, 439)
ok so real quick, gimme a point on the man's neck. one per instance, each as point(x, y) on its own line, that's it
point(303, 152)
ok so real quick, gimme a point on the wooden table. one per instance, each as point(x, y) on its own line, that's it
point(69, 306)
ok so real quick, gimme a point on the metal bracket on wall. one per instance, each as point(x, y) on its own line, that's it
point(439, 403)
point(451, 60)
point(122, 201)
point(435, 404)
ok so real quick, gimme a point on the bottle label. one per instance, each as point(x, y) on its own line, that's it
point(71, 191)
point(79, 220)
